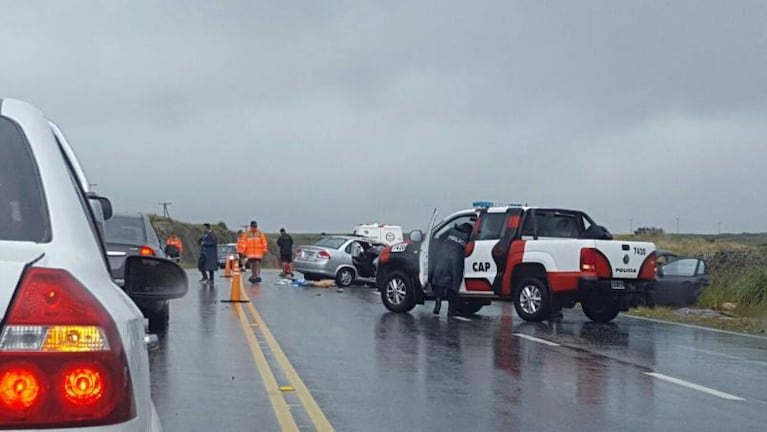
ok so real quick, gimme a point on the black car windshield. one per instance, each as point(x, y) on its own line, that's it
point(125, 229)
point(331, 242)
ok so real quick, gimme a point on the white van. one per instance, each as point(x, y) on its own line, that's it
point(382, 233)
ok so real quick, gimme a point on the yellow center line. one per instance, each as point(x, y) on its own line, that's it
point(311, 407)
point(280, 407)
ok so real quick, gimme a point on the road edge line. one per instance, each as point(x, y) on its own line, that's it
point(313, 410)
point(280, 407)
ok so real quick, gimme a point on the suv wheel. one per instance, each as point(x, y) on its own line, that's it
point(531, 299)
point(397, 293)
point(600, 309)
point(465, 307)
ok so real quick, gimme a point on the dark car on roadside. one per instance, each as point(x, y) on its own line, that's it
point(680, 280)
point(132, 234)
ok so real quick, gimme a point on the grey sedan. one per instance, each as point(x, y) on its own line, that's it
point(344, 258)
point(130, 234)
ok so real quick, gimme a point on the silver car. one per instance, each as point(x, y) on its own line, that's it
point(72, 343)
point(344, 258)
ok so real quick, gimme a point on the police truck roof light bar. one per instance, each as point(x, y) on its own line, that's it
point(488, 204)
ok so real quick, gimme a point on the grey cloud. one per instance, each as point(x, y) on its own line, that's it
point(321, 115)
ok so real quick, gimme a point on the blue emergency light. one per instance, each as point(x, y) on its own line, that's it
point(488, 204)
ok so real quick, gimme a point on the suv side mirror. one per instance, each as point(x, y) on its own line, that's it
point(103, 203)
point(152, 278)
point(416, 236)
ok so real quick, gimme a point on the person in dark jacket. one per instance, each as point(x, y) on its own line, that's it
point(285, 243)
point(208, 254)
point(446, 273)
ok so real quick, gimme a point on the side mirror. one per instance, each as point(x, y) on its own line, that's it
point(659, 271)
point(103, 203)
point(152, 278)
point(416, 236)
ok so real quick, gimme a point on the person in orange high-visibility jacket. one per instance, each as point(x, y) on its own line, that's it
point(254, 246)
point(173, 246)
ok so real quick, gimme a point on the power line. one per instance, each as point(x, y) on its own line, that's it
point(165, 211)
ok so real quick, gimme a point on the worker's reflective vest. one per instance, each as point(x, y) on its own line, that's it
point(175, 241)
point(252, 244)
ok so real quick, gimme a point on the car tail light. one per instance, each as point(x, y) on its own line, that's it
point(61, 360)
point(385, 255)
point(593, 261)
point(299, 253)
point(649, 267)
point(146, 251)
point(323, 254)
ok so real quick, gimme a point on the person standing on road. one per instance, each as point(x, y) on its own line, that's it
point(446, 274)
point(208, 254)
point(174, 247)
point(254, 246)
point(285, 244)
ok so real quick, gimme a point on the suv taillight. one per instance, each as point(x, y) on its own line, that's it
point(385, 255)
point(592, 261)
point(61, 360)
point(146, 251)
point(649, 267)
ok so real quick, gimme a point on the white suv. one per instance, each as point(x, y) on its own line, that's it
point(72, 343)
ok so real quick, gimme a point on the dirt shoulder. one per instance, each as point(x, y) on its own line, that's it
point(705, 318)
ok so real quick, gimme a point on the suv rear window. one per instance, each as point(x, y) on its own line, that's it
point(125, 229)
point(23, 214)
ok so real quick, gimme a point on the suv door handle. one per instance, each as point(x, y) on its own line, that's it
point(151, 341)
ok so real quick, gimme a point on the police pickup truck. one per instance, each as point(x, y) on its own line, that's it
point(542, 259)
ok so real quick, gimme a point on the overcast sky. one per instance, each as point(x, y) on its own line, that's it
point(319, 115)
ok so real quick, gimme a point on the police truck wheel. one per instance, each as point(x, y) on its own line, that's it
point(397, 293)
point(600, 309)
point(344, 277)
point(465, 307)
point(531, 299)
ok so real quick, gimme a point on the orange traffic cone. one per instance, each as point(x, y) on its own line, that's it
point(234, 294)
point(228, 268)
point(236, 264)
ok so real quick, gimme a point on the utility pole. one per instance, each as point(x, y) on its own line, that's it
point(631, 226)
point(165, 211)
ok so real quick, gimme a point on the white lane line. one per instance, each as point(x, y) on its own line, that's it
point(693, 386)
point(535, 339)
point(460, 318)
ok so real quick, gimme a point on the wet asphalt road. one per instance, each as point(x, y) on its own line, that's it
point(371, 370)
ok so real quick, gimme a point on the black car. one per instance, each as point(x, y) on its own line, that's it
point(680, 281)
point(132, 234)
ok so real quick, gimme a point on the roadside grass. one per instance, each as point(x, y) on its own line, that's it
point(741, 324)
point(684, 244)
